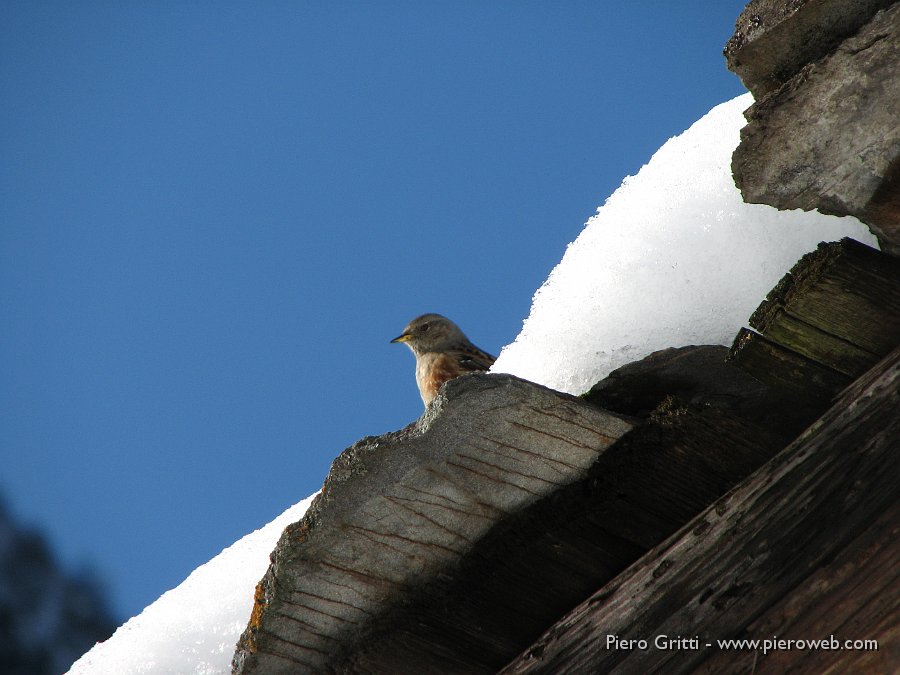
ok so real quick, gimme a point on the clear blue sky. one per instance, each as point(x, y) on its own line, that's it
point(215, 215)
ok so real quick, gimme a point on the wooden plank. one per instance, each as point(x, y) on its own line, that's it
point(856, 596)
point(451, 548)
point(777, 366)
point(845, 289)
point(829, 500)
point(545, 560)
point(815, 344)
point(399, 512)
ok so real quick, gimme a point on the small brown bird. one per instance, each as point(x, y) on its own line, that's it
point(442, 352)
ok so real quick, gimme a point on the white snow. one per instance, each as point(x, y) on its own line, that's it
point(194, 628)
point(674, 257)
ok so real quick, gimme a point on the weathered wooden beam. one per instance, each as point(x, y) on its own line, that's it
point(777, 366)
point(856, 596)
point(451, 546)
point(538, 564)
point(774, 40)
point(825, 136)
point(814, 343)
point(701, 377)
point(840, 301)
point(771, 555)
point(402, 511)
point(831, 318)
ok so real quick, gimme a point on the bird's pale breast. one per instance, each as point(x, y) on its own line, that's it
point(432, 370)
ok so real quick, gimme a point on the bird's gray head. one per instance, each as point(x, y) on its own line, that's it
point(431, 333)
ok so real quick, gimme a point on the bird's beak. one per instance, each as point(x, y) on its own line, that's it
point(402, 338)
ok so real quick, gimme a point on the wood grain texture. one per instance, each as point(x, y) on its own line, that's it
point(845, 290)
point(766, 558)
point(825, 137)
point(774, 39)
point(537, 564)
point(451, 546)
point(817, 344)
point(830, 319)
point(783, 368)
point(401, 510)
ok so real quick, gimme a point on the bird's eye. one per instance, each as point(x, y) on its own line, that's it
point(423, 327)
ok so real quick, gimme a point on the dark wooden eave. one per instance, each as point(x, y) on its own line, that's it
point(806, 548)
point(450, 546)
point(830, 319)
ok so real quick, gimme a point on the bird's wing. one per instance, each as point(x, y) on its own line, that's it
point(471, 359)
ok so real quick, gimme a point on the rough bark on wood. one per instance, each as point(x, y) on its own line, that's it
point(774, 39)
point(828, 138)
point(763, 557)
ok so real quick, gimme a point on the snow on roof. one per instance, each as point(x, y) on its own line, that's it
point(674, 257)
